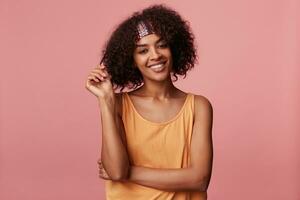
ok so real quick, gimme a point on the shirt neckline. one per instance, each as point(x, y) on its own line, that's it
point(159, 123)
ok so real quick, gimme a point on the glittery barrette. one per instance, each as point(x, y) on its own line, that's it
point(144, 29)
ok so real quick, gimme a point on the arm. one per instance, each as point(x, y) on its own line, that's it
point(113, 153)
point(197, 176)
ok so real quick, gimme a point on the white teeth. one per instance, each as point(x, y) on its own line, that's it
point(156, 66)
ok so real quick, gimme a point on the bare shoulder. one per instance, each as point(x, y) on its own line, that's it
point(203, 106)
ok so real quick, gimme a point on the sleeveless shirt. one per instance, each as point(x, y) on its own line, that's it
point(155, 145)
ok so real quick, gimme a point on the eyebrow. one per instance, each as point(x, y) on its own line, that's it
point(143, 45)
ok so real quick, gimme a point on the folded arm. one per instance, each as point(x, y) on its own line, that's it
point(197, 176)
point(168, 179)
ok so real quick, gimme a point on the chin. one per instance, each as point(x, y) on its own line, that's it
point(163, 76)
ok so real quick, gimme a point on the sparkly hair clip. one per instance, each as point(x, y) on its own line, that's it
point(144, 29)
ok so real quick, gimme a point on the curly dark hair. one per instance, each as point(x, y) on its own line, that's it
point(168, 24)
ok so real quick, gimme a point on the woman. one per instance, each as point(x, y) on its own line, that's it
point(156, 139)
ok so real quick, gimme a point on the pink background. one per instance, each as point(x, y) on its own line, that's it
point(50, 124)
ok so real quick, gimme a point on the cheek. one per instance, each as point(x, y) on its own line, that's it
point(139, 60)
point(169, 53)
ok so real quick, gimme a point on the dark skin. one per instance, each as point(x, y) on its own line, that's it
point(155, 98)
point(153, 101)
point(194, 178)
point(156, 110)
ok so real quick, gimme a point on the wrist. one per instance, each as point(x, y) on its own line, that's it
point(107, 101)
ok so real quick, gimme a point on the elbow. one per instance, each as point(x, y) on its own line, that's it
point(117, 177)
point(120, 175)
point(203, 186)
point(200, 185)
point(117, 171)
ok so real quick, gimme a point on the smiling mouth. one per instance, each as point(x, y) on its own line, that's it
point(158, 65)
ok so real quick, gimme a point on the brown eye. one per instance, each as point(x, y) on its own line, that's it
point(143, 51)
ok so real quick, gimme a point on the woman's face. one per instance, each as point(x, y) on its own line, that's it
point(153, 57)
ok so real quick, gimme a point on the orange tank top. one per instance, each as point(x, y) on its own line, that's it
point(156, 145)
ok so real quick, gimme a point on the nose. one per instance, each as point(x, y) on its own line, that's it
point(154, 54)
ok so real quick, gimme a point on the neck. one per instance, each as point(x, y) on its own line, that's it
point(159, 90)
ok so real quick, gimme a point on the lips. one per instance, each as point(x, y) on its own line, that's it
point(157, 65)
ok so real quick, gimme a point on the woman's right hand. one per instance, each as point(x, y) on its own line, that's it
point(99, 82)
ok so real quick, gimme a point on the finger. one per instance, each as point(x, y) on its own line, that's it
point(97, 75)
point(93, 78)
point(105, 71)
point(100, 66)
point(101, 72)
point(100, 166)
point(101, 175)
point(102, 171)
point(104, 176)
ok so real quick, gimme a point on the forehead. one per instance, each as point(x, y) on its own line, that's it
point(149, 39)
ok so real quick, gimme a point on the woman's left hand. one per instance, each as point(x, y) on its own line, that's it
point(102, 172)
